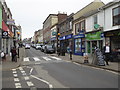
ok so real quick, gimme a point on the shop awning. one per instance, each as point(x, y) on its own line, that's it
point(5, 28)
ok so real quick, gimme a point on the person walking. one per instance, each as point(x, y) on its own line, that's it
point(106, 52)
point(14, 54)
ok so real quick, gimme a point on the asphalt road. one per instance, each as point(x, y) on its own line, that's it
point(45, 71)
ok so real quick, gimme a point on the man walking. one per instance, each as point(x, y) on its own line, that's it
point(14, 53)
point(106, 52)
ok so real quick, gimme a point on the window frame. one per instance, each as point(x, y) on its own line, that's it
point(115, 16)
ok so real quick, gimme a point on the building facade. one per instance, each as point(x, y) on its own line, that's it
point(79, 26)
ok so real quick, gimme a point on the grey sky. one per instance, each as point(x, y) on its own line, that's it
point(30, 14)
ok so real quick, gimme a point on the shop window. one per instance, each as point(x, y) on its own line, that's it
point(116, 16)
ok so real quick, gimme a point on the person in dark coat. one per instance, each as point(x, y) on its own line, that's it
point(107, 53)
point(14, 54)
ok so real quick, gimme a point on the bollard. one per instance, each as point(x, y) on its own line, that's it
point(86, 58)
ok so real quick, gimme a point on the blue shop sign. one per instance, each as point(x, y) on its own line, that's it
point(68, 36)
point(62, 38)
point(79, 36)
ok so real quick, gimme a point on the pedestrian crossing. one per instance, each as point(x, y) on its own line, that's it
point(42, 58)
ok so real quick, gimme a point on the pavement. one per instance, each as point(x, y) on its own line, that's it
point(8, 64)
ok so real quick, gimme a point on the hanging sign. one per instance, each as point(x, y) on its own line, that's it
point(5, 34)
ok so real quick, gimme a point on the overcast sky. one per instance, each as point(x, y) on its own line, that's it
point(30, 14)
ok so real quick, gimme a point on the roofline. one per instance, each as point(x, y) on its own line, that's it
point(49, 16)
point(85, 7)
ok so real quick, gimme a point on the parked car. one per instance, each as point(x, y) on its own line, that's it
point(42, 48)
point(27, 46)
point(37, 47)
point(49, 49)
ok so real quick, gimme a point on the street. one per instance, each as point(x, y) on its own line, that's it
point(40, 70)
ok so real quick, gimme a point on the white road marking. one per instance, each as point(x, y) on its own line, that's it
point(36, 59)
point(15, 75)
point(56, 58)
point(22, 71)
point(30, 84)
point(16, 79)
point(24, 74)
point(20, 68)
point(46, 58)
point(50, 85)
point(18, 85)
point(26, 78)
point(26, 59)
point(13, 69)
point(14, 72)
point(31, 70)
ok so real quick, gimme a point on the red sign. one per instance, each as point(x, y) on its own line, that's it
point(5, 28)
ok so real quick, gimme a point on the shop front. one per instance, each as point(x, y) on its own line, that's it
point(79, 44)
point(113, 37)
point(94, 39)
point(6, 41)
point(66, 41)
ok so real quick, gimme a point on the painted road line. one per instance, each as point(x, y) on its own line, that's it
point(16, 79)
point(30, 84)
point(15, 75)
point(22, 71)
point(13, 69)
point(46, 58)
point(26, 78)
point(36, 59)
point(18, 85)
point(31, 71)
point(20, 68)
point(26, 59)
point(56, 58)
point(50, 85)
point(14, 72)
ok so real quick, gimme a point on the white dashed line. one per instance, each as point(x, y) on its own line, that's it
point(14, 72)
point(18, 85)
point(30, 84)
point(36, 59)
point(26, 59)
point(26, 78)
point(16, 79)
point(56, 58)
point(46, 58)
point(20, 68)
point(15, 75)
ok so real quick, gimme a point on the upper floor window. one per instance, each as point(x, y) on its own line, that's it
point(95, 19)
point(70, 24)
point(116, 16)
point(80, 26)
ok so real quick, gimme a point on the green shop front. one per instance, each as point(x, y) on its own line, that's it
point(94, 39)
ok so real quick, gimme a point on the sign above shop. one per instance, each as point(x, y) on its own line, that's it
point(10, 22)
point(4, 34)
point(68, 36)
point(94, 36)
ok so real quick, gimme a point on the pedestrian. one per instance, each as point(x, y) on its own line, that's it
point(3, 56)
point(14, 54)
point(107, 52)
point(58, 50)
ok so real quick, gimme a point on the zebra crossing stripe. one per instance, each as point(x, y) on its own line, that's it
point(26, 59)
point(18, 85)
point(46, 58)
point(36, 59)
point(30, 84)
point(56, 58)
